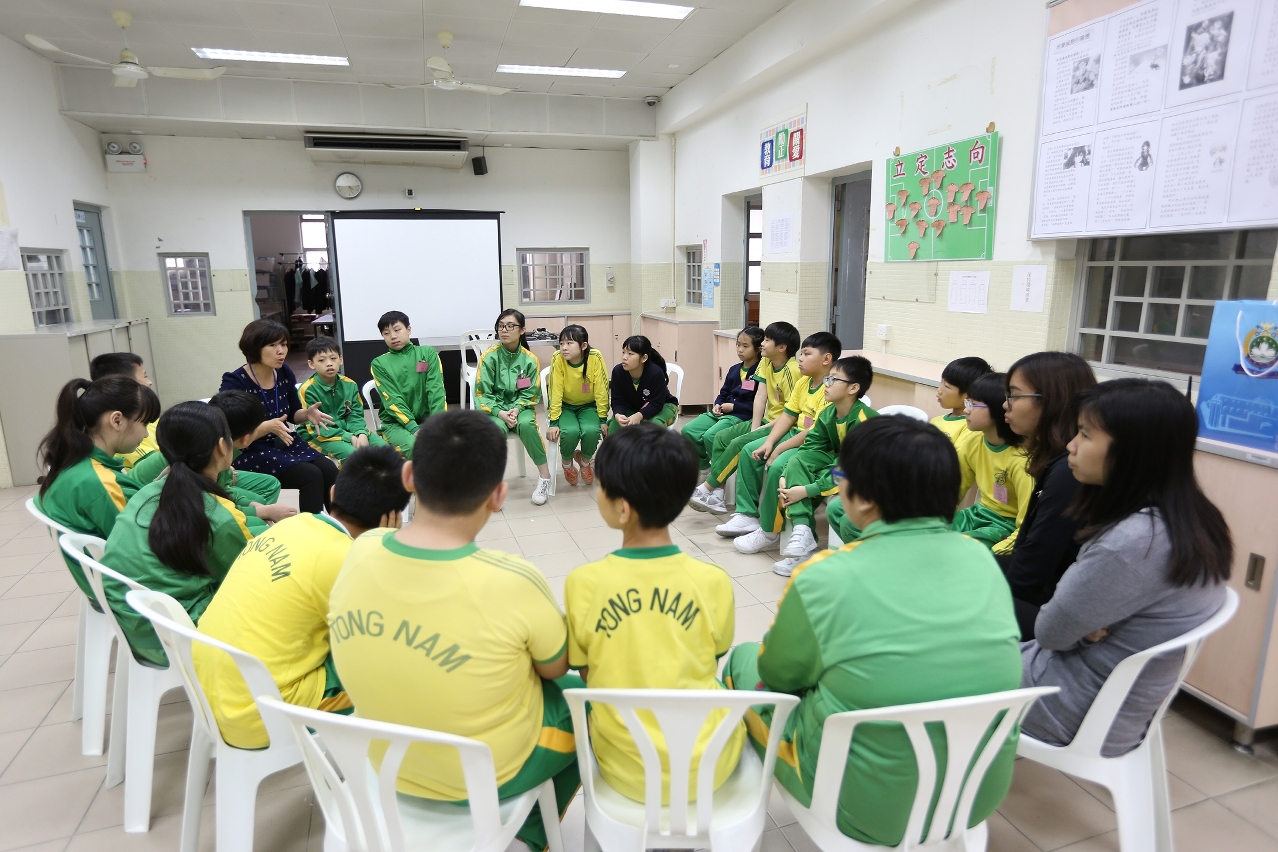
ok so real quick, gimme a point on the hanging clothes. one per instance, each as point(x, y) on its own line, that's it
point(322, 293)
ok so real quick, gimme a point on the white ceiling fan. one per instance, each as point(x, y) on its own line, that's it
point(128, 70)
point(443, 73)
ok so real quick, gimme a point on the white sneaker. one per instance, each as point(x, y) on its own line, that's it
point(703, 499)
point(756, 541)
point(786, 566)
point(801, 544)
point(716, 503)
point(542, 492)
point(738, 524)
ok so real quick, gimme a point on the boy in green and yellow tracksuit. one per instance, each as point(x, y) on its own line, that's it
point(410, 381)
point(577, 405)
point(339, 398)
point(763, 462)
point(807, 479)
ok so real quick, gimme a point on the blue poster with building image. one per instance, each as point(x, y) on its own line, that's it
point(1238, 395)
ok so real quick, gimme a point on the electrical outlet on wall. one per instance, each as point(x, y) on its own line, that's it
point(609, 278)
point(668, 304)
point(885, 332)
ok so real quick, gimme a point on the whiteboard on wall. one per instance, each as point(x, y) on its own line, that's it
point(1157, 116)
point(441, 267)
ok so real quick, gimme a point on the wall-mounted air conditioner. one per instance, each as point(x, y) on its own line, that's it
point(355, 148)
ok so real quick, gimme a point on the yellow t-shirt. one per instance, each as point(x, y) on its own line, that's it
point(778, 385)
point(807, 400)
point(149, 445)
point(1001, 475)
point(649, 618)
point(274, 605)
point(445, 640)
point(953, 425)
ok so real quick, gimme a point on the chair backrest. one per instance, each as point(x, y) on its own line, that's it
point(176, 631)
point(55, 529)
point(966, 721)
point(364, 804)
point(372, 399)
point(474, 344)
point(675, 372)
point(1100, 716)
point(869, 403)
point(545, 389)
point(76, 545)
point(905, 410)
point(680, 715)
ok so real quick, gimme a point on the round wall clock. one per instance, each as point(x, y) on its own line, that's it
point(348, 185)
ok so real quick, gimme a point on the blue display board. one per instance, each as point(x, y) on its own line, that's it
point(1238, 396)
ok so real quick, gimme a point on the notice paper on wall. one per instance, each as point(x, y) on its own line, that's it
point(969, 292)
point(10, 257)
point(1029, 285)
point(781, 233)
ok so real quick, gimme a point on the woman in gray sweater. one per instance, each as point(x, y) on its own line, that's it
point(1153, 565)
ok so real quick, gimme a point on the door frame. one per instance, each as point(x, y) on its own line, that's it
point(836, 254)
point(104, 267)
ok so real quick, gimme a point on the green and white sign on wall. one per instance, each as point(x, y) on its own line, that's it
point(941, 201)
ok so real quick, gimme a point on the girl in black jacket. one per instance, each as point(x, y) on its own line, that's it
point(641, 387)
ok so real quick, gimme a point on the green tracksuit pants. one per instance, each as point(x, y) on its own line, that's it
point(340, 451)
point(839, 521)
point(399, 438)
point(529, 435)
point(983, 524)
point(578, 424)
point(757, 485)
point(703, 429)
point(806, 467)
point(726, 452)
point(664, 417)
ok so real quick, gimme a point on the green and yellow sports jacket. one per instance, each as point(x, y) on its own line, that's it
point(506, 380)
point(411, 385)
point(825, 437)
point(341, 402)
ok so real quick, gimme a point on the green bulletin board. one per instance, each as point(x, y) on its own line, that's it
point(940, 202)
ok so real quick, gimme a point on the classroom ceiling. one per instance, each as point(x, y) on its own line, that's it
point(388, 41)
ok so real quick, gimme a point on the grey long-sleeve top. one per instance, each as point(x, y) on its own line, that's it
point(1120, 582)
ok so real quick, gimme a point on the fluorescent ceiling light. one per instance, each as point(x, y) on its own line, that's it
point(614, 7)
point(265, 56)
point(557, 71)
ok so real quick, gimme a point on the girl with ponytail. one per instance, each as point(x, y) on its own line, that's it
point(181, 533)
point(85, 486)
point(641, 387)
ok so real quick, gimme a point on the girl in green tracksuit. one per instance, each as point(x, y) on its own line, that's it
point(507, 388)
point(85, 487)
point(180, 534)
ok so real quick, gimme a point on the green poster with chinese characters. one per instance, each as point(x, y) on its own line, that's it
point(940, 202)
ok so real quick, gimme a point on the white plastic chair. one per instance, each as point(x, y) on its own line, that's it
point(363, 812)
point(552, 447)
point(675, 372)
point(1137, 780)
point(92, 657)
point(135, 707)
point(966, 722)
point(869, 403)
point(367, 393)
point(725, 820)
point(835, 541)
point(473, 342)
point(239, 771)
point(906, 410)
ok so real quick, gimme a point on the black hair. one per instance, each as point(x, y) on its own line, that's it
point(991, 389)
point(70, 441)
point(823, 342)
point(259, 334)
point(652, 468)
point(961, 372)
point(577, 334)
point(459, 457)
point(244, 411)
point(1152, 429)
point(188, 435)
point(114, 364)
point(369, 486)
point(783, 334)
point(905, 466)
point(390, 318)
point(756, 338)
point(1057, 378)
point(519, 318)
point(856, 368)
point(321, 344)
point(641, 346)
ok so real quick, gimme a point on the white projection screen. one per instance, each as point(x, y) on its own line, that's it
point(441, 267)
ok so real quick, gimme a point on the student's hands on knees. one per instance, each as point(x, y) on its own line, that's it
point(622, 420)
point(603, 429)
point(726, 408)
point(790, 496)
point(718, 409)
point(274, 512)
point(556, 669)
point(277, 426)
point(764, 452)
point(359, 441)
point(1097, 635)
point(552, 434)
point(511, 417)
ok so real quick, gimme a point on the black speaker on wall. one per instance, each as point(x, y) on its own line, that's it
point(480, 165)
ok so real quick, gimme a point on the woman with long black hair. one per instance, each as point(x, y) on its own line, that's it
point(1155, 557)
point(275, 448)
point(180, 534)
point(641, 387)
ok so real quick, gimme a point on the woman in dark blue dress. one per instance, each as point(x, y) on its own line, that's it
point(275, 449)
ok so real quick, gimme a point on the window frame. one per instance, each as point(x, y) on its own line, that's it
point(66, 308)
point(752, 205)
point(168, 290)
point(692, 264)
point(1110, 333)
point(520, 266)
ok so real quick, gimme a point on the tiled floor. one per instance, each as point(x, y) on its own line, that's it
point(52, 798)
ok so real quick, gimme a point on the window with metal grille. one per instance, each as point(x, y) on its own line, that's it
point(47, 287)
point(1147, 301)
point(558, 275)
point(187, 283)
point(314, 240)
point(692, 276)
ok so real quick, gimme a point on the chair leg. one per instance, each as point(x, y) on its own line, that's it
point(77, 685)
point(1162, 796)
point(236, 806)
point(139, 758)
point(1134, 803)
point(197, 782)
point(92, 680)
point(550, 817)
point(590, 842)
point(523, 464)
point(117, 747)
point(730, 490)
point(552, 455)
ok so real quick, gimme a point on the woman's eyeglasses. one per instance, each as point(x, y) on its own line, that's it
point(1012, 396)
point(508, 326)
